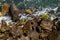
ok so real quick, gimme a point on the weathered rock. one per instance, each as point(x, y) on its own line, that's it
point(16, 31)
point(4, 35)
point(5, 9)
point(35, 9)
point(27, 26)
point(33, 36)
point(52, 36)
point(46, 24)
point(24, 38)
point(4, 26)
point(58, 9)
point(58, 35)
point(14, 12)
point(56, 23)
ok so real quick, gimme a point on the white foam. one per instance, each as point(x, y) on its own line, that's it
point(38, 13)
point(53, 17)
point(23, 17)
point(7, 19)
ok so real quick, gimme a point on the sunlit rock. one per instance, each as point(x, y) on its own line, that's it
point(28, 11)
point(5, 9)
point(46, 16)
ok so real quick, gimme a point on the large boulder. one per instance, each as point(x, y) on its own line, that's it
point(46, 24)
point(14, 12)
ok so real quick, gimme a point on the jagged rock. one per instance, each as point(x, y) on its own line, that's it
point(52, 35)
point(24, 38)
point(38, 20)
point(51, 11)
point(27, 26)
point(35, 26)
point(56, 23)
point(39, 28)
point(44, 33)
point(35, 9)
point(4, 26)
point(58, 9)
point(5, 9)
point(30, 25)
point(16, 31)
point(3, 23)
point(46, 24)
point(58, 35)
point(33, 36)
point(14, 12)
point(10, 38)
point(21, 22)
point(4, 35)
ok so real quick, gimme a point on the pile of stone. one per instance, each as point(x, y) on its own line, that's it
point(36, 29)
point(39, 28)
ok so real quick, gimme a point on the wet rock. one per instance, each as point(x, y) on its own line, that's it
point(51, 11)
point(58, 9)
